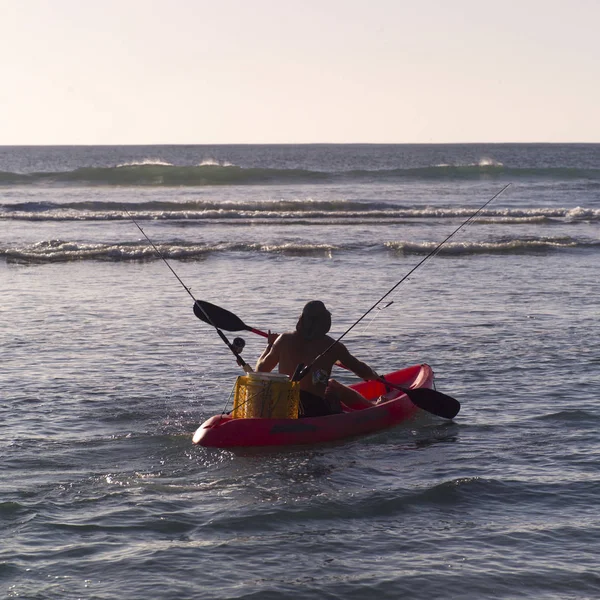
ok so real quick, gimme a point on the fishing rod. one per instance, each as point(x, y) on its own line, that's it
point(238, 343)
point(301, 371)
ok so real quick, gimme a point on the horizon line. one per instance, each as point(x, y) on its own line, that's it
point(131, 144)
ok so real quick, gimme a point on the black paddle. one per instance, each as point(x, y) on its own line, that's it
point(428, 400)
point(221, 318)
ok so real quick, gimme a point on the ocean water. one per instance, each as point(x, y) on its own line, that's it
point(106, 373)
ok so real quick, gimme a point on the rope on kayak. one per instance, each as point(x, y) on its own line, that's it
point(250, 398)
point(239, 359)
point(227, 401)
point(304, 370)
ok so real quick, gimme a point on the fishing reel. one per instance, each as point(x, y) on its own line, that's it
point(238, 344)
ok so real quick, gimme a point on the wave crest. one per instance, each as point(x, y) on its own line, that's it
point(52, 251)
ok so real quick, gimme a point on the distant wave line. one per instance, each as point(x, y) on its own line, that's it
point(157, 173)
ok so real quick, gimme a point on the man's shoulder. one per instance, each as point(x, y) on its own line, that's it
point(329, 340)
point(288, 336)
point(337, 347)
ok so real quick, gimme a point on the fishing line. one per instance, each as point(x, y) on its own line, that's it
point(432, 254)
point(367, 327)
point(233, 349)
point(303, 371)
point(160, 255)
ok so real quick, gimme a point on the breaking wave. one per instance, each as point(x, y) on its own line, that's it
point(514, 246)
point(292, 211)
point(65, 251)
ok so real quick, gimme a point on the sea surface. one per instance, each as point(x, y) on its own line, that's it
point(106, 373)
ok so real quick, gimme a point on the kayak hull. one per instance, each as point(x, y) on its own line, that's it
point(221, 431)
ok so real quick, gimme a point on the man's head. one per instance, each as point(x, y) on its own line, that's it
point(315, 320)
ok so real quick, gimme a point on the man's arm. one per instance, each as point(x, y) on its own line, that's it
point(363, 370)
point(270, 357)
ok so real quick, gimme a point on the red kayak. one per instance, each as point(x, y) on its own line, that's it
point(222, 431)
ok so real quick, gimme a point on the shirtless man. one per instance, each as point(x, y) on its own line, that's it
point(302, 346)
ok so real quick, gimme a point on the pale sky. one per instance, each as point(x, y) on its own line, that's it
point(282, 71)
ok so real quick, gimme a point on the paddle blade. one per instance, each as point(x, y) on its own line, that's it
point(219, 317)
point(434, 402)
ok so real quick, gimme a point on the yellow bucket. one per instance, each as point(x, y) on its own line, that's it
point(265, 395)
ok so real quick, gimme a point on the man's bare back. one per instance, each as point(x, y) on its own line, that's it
point(290, 349)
